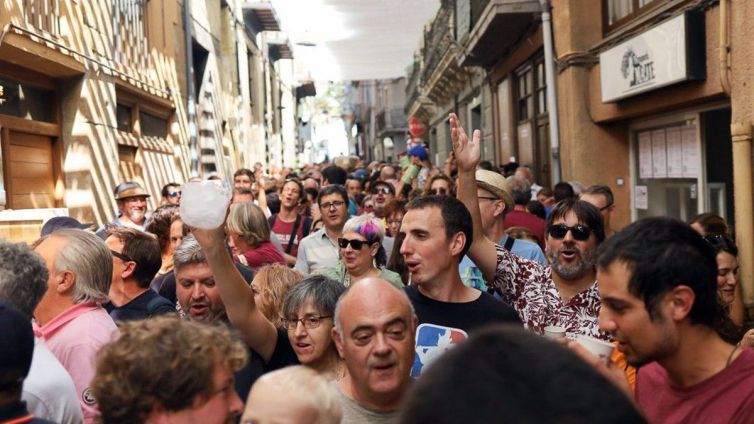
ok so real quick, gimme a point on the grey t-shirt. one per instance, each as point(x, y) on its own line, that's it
point(356, 413)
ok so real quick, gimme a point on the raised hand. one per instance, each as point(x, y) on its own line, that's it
point(467, 152)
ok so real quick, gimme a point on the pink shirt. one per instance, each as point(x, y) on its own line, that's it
point(74, 337)
point(726, 397)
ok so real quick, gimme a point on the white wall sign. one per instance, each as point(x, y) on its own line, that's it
point(641, 197)
point(659, 157)
point(661, 56)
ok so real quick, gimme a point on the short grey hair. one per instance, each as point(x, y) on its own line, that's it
point(322, 291)
point(520, 190)
point(188, 252)
point(23, 276)
point(87, 256)
point(338, 306)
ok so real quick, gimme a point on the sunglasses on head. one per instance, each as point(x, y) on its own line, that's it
point(356, 244)
point(579, 232)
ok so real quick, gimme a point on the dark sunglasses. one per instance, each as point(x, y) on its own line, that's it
point(122, 256)
point(439, 192)
point(174, 194)
point(579, 232)
point(356, 244)
point(383, 190)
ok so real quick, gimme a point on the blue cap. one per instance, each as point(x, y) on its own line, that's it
point(418, 151)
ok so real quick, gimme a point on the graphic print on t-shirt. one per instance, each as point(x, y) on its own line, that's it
point(431, 342)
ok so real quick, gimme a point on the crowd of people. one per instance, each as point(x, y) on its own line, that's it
point(377, 293)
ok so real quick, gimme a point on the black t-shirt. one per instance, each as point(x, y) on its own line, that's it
point(166, 282)
point(466, 316)
point(145, 305)
point(283, 355)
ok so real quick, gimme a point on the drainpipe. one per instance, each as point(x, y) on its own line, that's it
point(552, 96)
point(724, 48)
point(741, 133)
point(190, 91)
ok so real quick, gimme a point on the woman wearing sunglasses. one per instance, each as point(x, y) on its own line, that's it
point(361, 253)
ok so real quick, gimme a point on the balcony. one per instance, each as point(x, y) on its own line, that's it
point(496, 28)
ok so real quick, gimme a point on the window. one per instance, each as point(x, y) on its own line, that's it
point(524, 94)
point(621, 10)
point(541, 88)
point(140, 116)
point(152, 125)
point(123, 116)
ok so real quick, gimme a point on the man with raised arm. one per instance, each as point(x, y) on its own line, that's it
point(563, 294)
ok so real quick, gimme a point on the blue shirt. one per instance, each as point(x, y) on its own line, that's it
point(472, 276)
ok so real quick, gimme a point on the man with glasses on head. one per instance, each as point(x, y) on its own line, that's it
point(563, 294)
point(602, 198)
point(319, 250)
point(136, 260)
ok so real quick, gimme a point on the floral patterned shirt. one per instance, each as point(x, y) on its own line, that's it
point(528, 287)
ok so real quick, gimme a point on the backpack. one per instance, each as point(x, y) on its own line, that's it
point(307, 227)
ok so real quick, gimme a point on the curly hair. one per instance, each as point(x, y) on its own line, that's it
point(23, 276)
point(162, 360)
point(272, 283)
point(159, 224)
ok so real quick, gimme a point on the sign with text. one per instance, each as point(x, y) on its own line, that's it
point(669, 53)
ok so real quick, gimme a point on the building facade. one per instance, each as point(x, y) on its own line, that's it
point(95, 93)
point(651, 97)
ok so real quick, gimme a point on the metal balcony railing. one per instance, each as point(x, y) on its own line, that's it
point(43, 15)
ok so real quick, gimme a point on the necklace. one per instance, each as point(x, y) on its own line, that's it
point(730, 357)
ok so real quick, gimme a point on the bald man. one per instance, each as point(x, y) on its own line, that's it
point(374, 333)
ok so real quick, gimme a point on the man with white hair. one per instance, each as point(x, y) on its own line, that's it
point(70, 317)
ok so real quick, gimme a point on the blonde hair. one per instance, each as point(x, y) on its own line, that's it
point(248, 221)
point(310, 387)
point(272, 283)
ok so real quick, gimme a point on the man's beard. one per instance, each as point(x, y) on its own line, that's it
point(574, 270)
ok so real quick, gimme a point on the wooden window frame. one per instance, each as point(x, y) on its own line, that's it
point(637, 11)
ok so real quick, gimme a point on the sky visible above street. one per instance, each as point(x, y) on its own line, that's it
point(340, 40)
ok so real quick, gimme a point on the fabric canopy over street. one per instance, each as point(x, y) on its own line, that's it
point(340, 39)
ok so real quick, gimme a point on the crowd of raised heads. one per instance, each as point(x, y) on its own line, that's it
point(404, 291)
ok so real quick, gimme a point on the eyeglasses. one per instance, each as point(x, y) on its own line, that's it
point(381, 190)
point(336, 204)
point(579, 232)
point(121, 256)
point(310, 322)
point(174, 194)
point(439, 191)
point(356, 244)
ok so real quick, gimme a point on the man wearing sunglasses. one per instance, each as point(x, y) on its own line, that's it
point(383, 193)
point(136, 260)
point(564, 294)
point(171, 194)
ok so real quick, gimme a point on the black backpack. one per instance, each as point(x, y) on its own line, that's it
point(307, 227)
